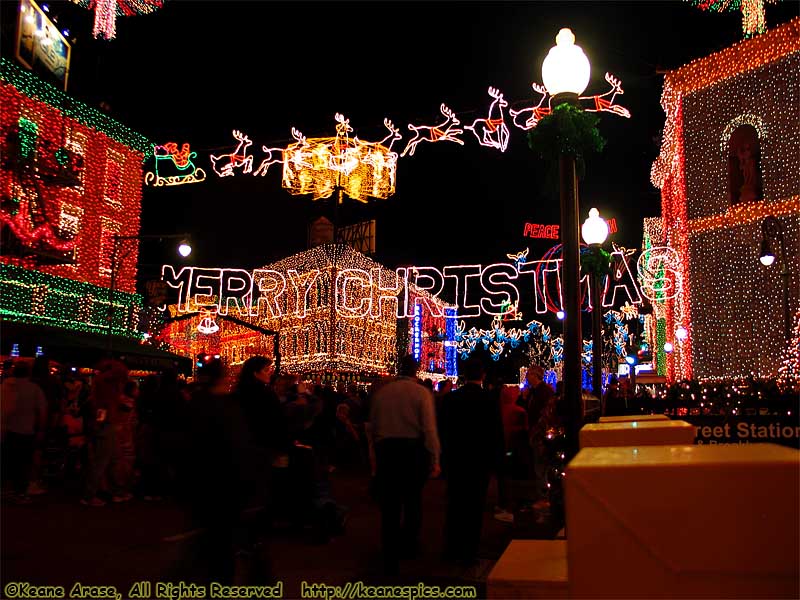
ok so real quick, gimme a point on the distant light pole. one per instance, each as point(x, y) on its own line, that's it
point(771, 229)
point(595, 232)
point(565, 72)
point(184, 249)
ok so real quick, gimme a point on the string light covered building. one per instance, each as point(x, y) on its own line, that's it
point(70, 178)
point(334, 311)
point(728, 161)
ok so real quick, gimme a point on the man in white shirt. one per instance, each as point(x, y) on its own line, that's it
point(403, 425)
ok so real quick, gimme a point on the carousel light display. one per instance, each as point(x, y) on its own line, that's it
point(77, 180)
point(342, 164)
point(754, 19)
point(705, 101)
point(107, 11)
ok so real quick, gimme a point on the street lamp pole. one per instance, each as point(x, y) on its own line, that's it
point(184, 249)
point(570, 285)
point(771, 228)
point(565, 72)
point(594, 232)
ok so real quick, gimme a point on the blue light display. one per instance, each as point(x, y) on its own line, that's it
point(416, 332)
point(450, 344)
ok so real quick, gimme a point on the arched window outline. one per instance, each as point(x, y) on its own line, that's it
point(745, 179)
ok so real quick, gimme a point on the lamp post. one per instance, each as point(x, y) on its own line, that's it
point(594, 232)
point(184, 249)
point(771, 229)
point(565, 72)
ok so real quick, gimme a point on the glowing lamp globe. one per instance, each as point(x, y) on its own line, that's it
point(767, 257)
point(561, 314)
point(668, 347)
point(681, 333)
point(566, 68)
point(594, 229)
point(184, 249)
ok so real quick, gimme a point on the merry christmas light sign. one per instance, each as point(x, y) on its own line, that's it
point(477, 289)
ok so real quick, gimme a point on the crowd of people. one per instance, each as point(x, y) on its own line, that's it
point(245, 455)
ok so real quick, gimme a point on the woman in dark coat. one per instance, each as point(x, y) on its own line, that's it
point(261, 407)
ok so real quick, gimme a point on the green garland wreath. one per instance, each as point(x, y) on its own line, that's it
point(567, 130)
point(595, 260)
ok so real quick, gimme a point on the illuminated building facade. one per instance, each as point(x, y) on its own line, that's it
point(70, 178)
point(729, 159)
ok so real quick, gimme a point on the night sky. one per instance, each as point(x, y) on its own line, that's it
point(194, 71)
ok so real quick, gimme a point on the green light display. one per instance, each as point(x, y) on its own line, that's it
point(33, 87)
point(28, 134)
point(38, 298)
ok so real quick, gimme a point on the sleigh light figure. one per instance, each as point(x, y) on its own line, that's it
point(173, 166)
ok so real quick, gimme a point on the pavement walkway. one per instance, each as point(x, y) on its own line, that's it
point(57, 541)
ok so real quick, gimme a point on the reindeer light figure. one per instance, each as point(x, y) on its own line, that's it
point(224, 164)
point(393, 136)
point(600, 103)
point(294, 155)
point(382, 162)
point(274, 156)
point(297, 165)
point(528, 118)
point(492, 131)
point(444, 132)
point(344, 157)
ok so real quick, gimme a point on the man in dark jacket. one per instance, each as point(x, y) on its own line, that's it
point(472, 449)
